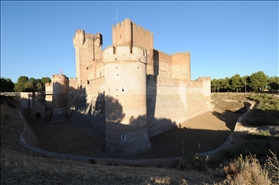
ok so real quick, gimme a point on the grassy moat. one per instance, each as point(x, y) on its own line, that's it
point(253, 160)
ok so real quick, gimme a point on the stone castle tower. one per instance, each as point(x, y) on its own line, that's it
point(128, 92)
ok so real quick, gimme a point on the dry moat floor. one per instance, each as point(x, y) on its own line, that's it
point(200, 134)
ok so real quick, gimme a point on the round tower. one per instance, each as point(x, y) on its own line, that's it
point(125, 101)
point(59, 97)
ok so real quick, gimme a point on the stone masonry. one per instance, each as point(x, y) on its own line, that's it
point(129, 91)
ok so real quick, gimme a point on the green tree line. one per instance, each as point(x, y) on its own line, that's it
point(255, 82)
point(24, 84)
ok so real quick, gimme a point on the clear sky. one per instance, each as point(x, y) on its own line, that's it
point(225, 38)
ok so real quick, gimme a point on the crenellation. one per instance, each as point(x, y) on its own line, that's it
point(89, 35)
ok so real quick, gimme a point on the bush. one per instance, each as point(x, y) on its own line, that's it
point(246, 170)
point(195, 162)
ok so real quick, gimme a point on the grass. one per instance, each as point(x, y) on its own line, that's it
point(248, 170)
point(266, 111)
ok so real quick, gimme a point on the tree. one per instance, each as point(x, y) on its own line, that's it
point(6, 85)
point(225, 85)
point(235, 83)
point(3, 85)
point(20, 85)
point(45, 80)
point(273, 83)
point(10, 85)
point(215, 86)
point(25, 84)
point(258, 81)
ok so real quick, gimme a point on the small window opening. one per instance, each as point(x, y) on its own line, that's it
point(123, 137)
point(122, 89)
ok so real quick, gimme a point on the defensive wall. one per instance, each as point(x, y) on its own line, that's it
point(129, 91)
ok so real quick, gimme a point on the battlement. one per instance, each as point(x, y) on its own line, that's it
point(59, 76)
point(127, 20)
point(122, 23)
point(89, 35)
point(122, 53)
point(73, 78)
point(80, 32)
point(204, 78)
point(181, 53)
point(48, 84)
point(141, 29)
point(163, 81)
point(164, 57)
point(129, 33)
point(194, 84)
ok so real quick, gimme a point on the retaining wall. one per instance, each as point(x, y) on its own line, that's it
point(28, 136)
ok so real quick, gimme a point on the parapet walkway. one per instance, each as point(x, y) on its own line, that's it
point(200, 134)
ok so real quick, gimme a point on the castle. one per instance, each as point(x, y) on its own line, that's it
point(128, 92)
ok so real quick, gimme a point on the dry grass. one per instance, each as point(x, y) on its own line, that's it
point(19, 168)
point(248, 171)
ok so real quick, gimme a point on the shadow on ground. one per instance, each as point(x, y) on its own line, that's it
point(68, 138)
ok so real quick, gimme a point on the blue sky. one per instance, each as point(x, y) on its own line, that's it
point(224, 38)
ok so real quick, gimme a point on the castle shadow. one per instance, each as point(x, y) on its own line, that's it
point(67, 138)
point(230, 118)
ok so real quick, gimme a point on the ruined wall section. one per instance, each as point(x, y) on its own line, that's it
point(181, 66)
point(125, 107)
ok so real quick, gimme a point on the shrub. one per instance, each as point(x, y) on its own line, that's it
point(195, 162)
point(246, 170)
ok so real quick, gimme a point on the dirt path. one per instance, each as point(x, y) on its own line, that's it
point(200, 134)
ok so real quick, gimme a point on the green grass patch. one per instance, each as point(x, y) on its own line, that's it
point(266, 111)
